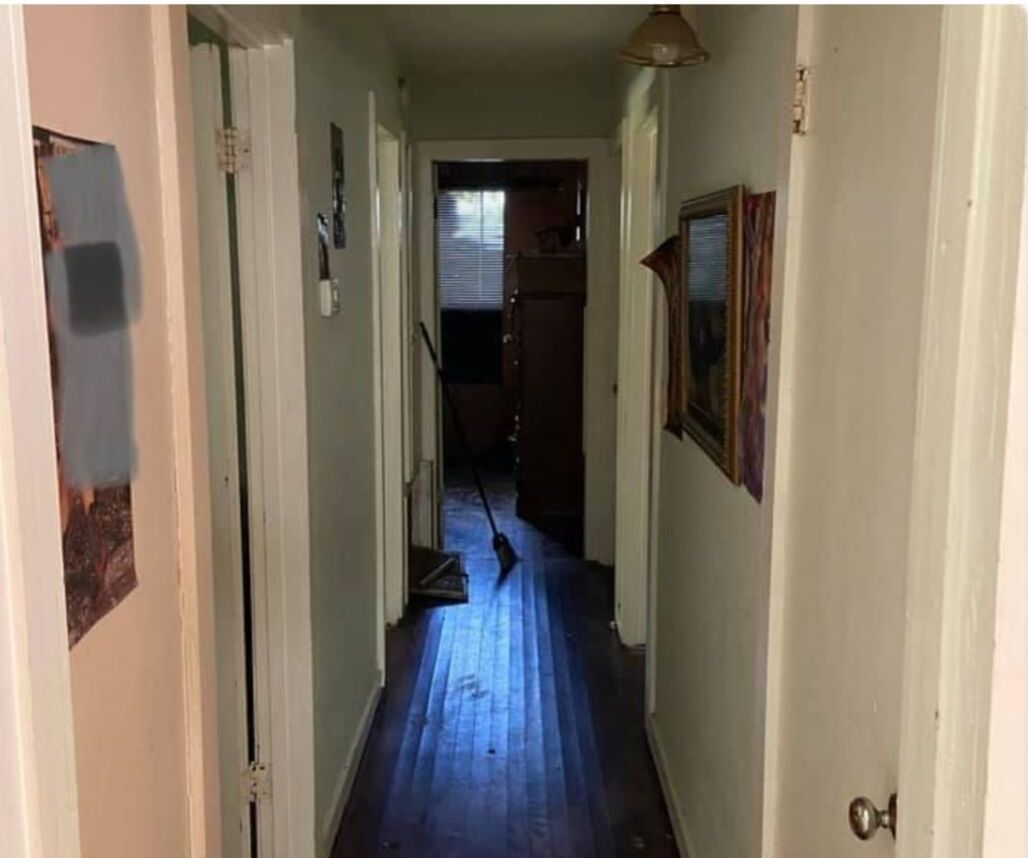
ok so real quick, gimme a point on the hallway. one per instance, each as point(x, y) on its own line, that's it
point(739, 292)
point(513, 725)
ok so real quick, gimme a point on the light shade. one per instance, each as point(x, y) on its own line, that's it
point(664, 39)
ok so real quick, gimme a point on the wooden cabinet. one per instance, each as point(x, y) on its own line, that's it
point(548, 302)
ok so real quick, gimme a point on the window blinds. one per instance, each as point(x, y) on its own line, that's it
point(469, 252)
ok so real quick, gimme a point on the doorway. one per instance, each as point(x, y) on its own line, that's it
point(510, 250)
point(242, 723)
point(885, 712)
point(600, 327)
point(391, 311)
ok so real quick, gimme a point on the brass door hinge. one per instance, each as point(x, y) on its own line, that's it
point(801, 101)
point(233, 149)
point(256, 783)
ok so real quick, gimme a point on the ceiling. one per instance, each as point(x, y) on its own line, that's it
point(461, 39)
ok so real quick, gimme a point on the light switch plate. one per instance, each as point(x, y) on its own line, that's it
point(329, 296)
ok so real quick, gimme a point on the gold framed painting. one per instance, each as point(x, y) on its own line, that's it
point(710, 243)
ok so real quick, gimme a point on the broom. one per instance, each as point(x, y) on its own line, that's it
point(505, 553)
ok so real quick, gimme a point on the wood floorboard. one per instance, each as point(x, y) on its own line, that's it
point(512, 726)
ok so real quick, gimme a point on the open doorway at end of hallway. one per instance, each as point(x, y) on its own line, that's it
point(510, 291)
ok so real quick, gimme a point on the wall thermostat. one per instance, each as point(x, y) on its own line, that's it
point(330, 297)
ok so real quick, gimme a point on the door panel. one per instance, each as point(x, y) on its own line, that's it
point(865, 168)
point(223, 450)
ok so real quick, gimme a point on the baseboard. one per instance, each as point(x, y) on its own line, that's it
point(344, 784)
point(674, 806)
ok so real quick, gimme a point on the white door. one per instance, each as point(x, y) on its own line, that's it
point(236, 733)
point(863, 174)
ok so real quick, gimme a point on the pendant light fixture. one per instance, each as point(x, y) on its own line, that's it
point(664, 39)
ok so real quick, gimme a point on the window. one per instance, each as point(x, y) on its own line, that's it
point(469, 230)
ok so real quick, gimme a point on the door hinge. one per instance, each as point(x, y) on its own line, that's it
point(801, 101)
point(233, 149)
point(256, 783)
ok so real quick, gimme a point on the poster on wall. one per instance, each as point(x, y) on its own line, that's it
point(91, 277)
point(338, 188)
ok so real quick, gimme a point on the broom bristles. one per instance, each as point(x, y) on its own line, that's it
point(505, 553)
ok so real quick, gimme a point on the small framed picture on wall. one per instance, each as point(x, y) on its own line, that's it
point(710, 243)
point(338, 188)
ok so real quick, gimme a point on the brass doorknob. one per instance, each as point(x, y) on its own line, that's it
point(866, 819)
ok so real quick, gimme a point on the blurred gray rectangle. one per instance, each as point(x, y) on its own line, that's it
point(93, 280)
point(96, 296)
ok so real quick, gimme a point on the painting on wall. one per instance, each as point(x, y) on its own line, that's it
point(91, 276)
point(338, 188)
point(710, 247)
point(758, 229)
point(665, 261)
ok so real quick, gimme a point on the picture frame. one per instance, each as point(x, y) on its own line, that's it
point(711, 246)
point(338, 187)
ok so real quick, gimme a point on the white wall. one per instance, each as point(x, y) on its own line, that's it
point(91, 73)
point(492, 104)
point(727, 123)
point(340, 55)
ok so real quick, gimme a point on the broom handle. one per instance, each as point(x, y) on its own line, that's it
point(458, 425)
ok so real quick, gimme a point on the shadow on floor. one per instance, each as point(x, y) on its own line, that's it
point(512, 726)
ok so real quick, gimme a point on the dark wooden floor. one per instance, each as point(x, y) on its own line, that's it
point(513, 725)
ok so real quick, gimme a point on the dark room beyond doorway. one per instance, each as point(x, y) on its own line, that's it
point(511, 280)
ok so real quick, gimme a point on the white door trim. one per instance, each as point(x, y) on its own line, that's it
point(973, 254)
point(377, 391)
point(387, 314)
point(224, 454)
point(600, 311)
point(270, 278)
point(634, 495)
point(268, 204)
point(658, 359)
point(38, 790)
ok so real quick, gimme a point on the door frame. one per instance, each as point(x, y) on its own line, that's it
point(263, 84)
point(961, 425)
point(385, 150)
point(226, 455)
point(639, 407)
point(600, 318)
point(271, 278)
point(38, 788)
